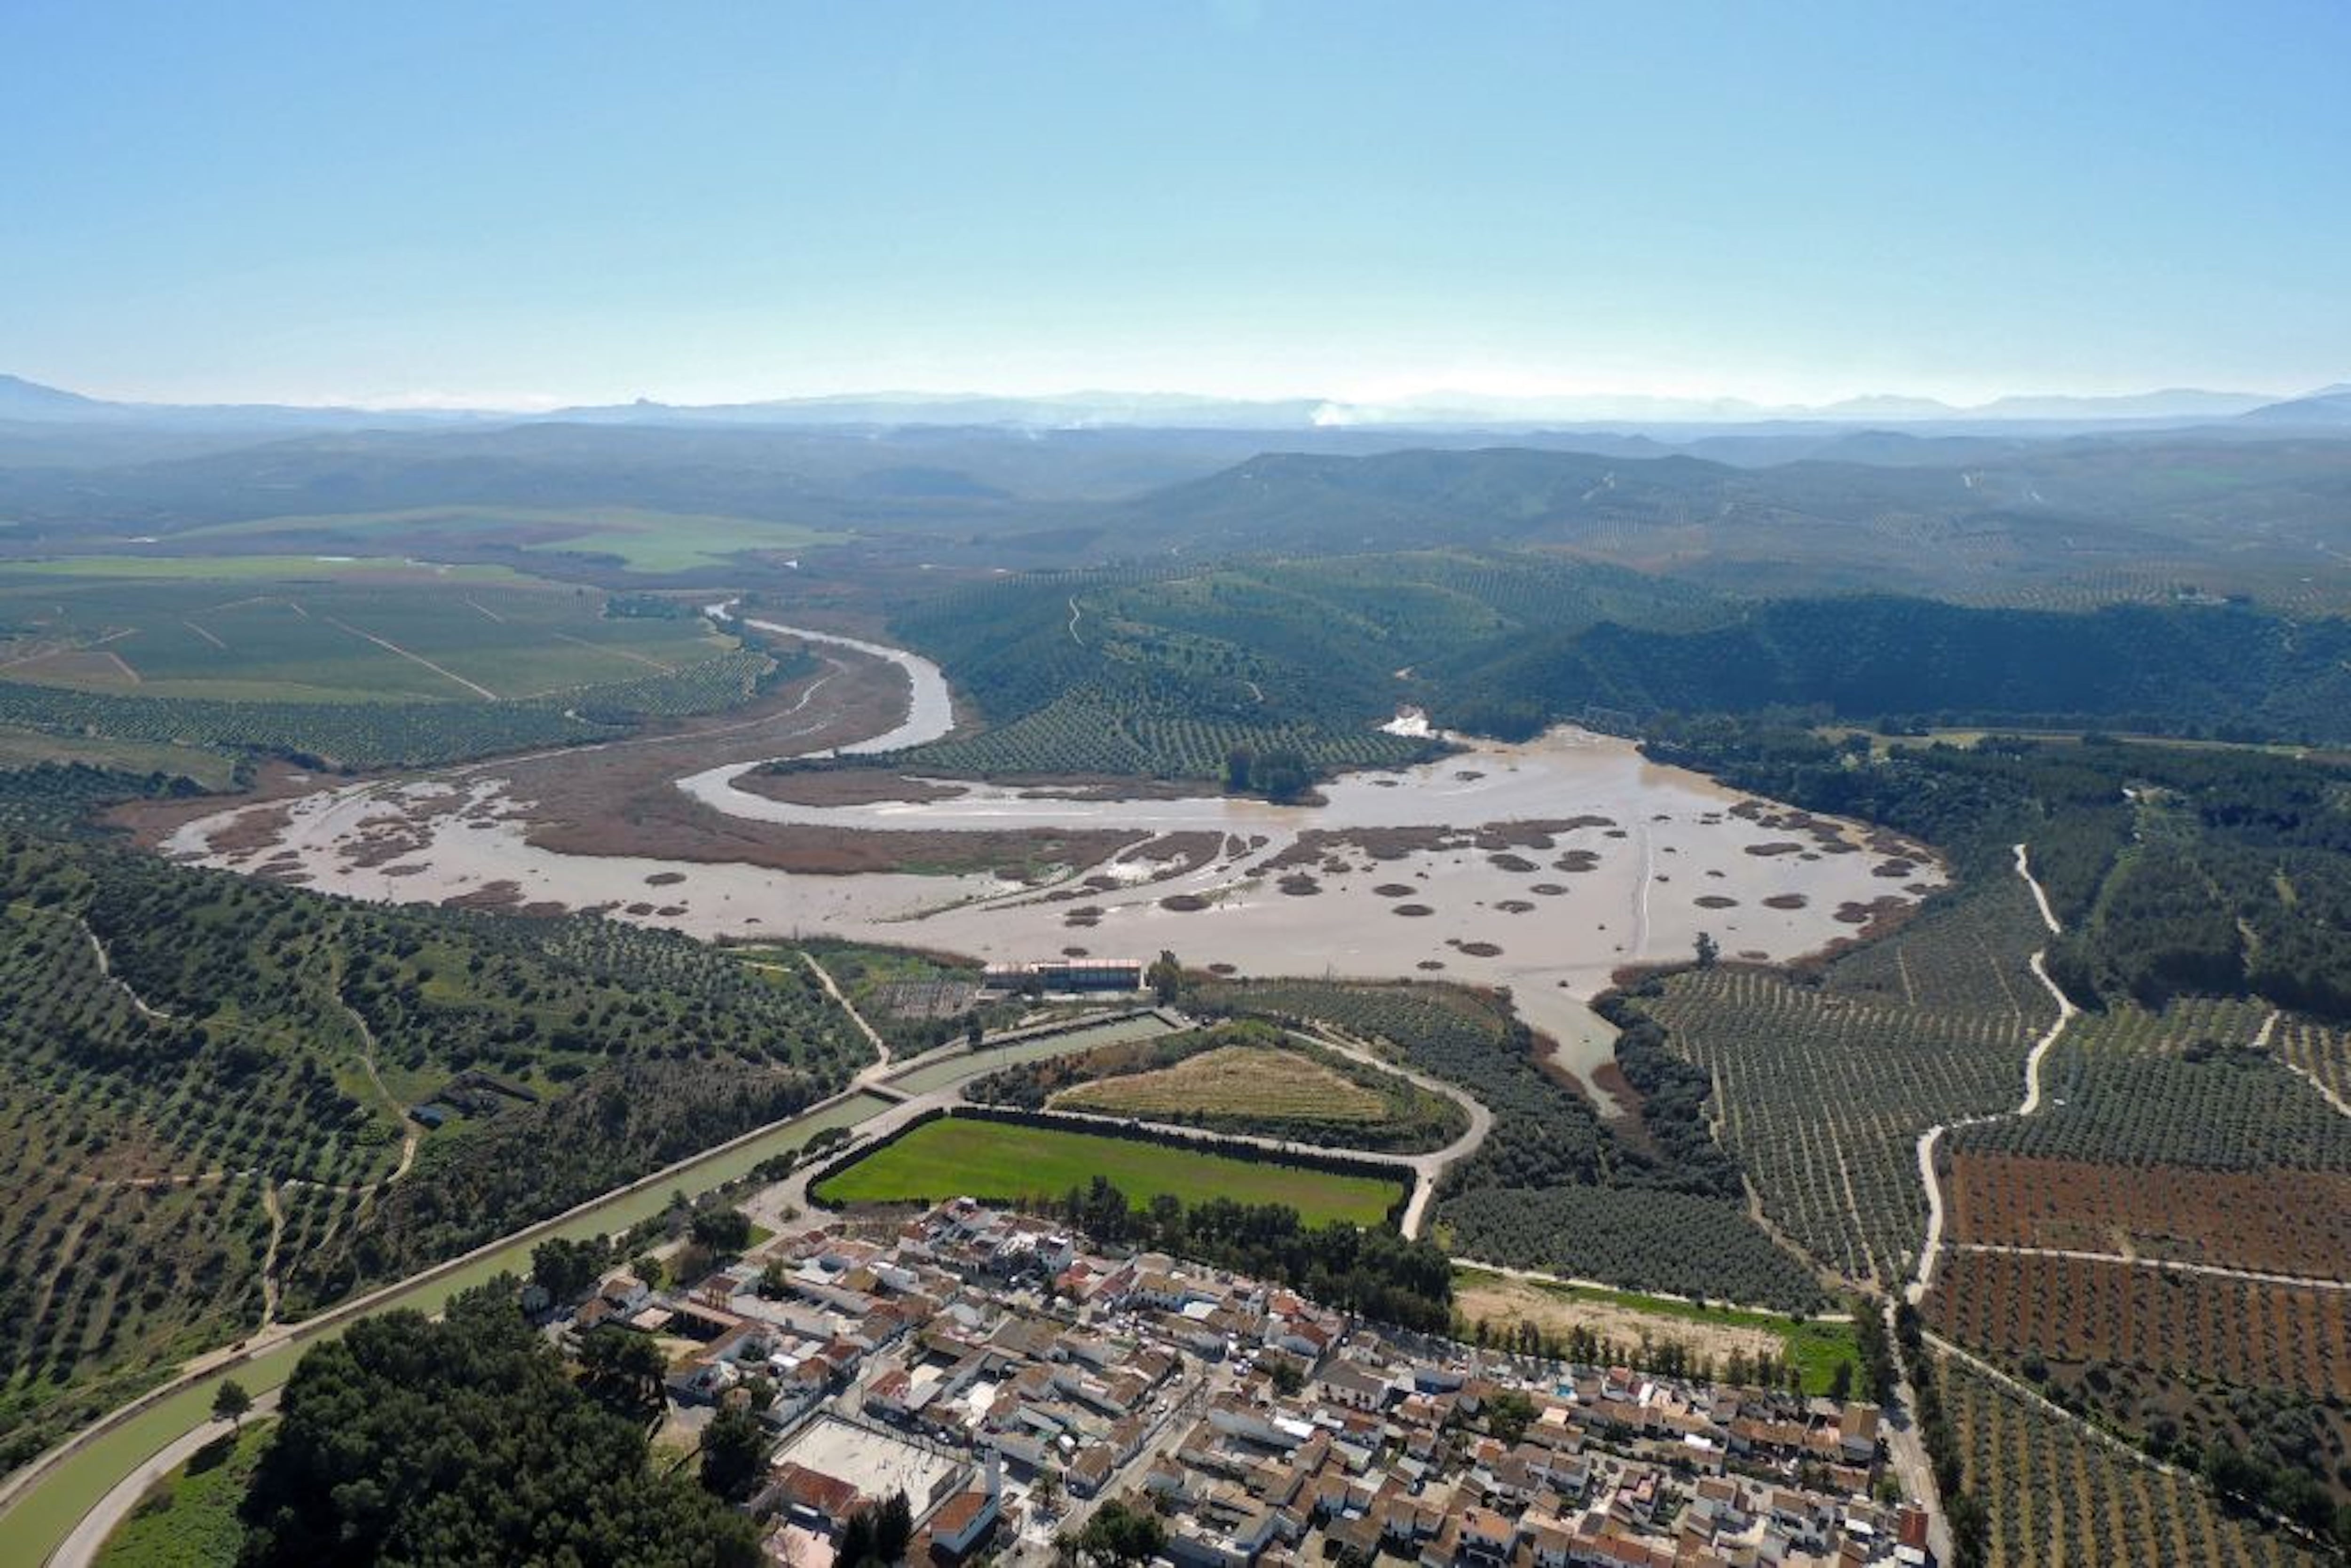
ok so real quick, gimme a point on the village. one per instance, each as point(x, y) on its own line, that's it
point(1013, 1396)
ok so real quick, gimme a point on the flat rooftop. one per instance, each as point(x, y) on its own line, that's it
point(875, 1463)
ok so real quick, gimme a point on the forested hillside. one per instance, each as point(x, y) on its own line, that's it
point(2214, 870)
point(2182, 670)
point(1165, 672)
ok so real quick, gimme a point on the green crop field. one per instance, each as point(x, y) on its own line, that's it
point(964, 1156)
point(645, 541)
point(303, 630)
point(364, 663)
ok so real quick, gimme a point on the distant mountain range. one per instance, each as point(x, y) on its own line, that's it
point(24, 402)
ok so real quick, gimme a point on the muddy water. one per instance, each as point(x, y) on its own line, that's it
point(1549, 916)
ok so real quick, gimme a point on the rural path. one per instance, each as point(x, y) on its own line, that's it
point(2047, 1406)
point(408, 1136)
point(1429, 1168)
point(192, 1375)
point(389, 646)
point(2262, 1042)
point(270, 1292)
point(1421, 1171)
point(872, 1036)
point(2096, 1433)
point(605, 648)
point(23, 909)
point(2136, 1260)
point(1906, 1445)
point(1930, 1254)
point(81, 1548)
point(106, 968)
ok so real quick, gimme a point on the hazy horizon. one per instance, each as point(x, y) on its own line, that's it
point(529, 207)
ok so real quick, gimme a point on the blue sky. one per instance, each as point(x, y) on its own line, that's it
point(506, 203)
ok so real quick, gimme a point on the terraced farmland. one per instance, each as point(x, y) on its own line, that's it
point(2184, 1323)
point(2060, 1498)
point(2272, 1221)
point(1232, 1080)
point(1821, 1091)
point(1553, 1188)
point(204, 1083)
point(2131, 1087)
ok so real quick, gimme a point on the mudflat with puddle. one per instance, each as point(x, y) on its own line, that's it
point(1542, 867)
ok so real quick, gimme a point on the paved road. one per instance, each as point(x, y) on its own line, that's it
point(80, 1548)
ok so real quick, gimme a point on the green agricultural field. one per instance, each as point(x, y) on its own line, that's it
point(188, 1520)
point(644, 541)
point(304, 632)
point(963, 1155)
point(364, 663)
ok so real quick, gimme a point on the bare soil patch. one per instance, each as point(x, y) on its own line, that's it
point(1503, 1301)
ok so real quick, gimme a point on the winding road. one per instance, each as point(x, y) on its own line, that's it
point(1931, 1253)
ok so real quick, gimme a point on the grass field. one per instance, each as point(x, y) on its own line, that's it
point(189, 1519)
point(644, 541)
point(1815, 1347)
point(1232, 1080)
point(958, 1157)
